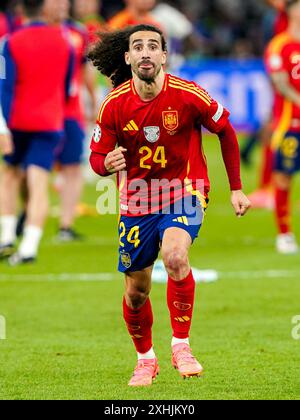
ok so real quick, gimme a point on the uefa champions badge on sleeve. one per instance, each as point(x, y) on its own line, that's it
point(152, 134)
point(97, 134)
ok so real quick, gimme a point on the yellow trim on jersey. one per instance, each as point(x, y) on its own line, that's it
point(119, 88)
point(109, 99)
point(190, 86)
point(197, 193)
point(284, 124)
point(113, 93)
point(278, 43)
point(196, 93)
point(122, 181)
point(166, 84)
point(133, 87)
point(188, 169)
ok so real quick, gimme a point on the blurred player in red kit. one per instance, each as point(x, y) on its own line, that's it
point(70, 153)
point(149, 130)
point(264, 196)
point(283, 64)
point(33, 102)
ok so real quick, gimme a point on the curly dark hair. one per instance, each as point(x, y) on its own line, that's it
point(108, 53)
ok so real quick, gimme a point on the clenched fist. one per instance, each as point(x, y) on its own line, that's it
point(115, 161)
point(240, 203)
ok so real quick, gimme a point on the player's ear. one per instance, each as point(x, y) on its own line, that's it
point(164, 58)
point(127, 59)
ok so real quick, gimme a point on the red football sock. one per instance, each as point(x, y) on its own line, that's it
point(139, 324)
point(282, 211)
point(181, 296)
point(267, 167)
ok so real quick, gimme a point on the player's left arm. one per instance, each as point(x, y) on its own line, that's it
point(231, 157)
point(216, 119)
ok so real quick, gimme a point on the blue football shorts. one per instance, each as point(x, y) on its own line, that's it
point(34, 149)
point(71, 148)
point(140, 237)
point(287, 157)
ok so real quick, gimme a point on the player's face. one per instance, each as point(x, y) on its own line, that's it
point(142, 6)
point(56, 11)
point(146, 55)
point(84, 8)
point(295, 11)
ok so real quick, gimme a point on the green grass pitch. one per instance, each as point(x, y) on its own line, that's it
point(66, 338)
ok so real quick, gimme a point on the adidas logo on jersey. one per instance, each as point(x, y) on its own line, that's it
point(131, 126)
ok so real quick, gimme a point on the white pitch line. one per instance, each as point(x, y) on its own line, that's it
point(106, 277)
point(63, 277)
point(270, 274)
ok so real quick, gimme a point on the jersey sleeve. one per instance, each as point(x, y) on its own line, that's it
point(104, 138)
point(275, 60)
point(211, 114)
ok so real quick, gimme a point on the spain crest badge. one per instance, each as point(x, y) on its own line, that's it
point(170, 120)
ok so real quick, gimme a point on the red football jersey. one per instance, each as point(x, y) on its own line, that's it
point(163, 141)
point(78, 37)
point(283, 55)
point(40, 60)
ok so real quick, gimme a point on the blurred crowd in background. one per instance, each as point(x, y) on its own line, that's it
point(226, 27)
point(218, 28)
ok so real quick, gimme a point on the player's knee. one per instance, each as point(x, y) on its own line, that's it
point(137, 298)
point(175, 259)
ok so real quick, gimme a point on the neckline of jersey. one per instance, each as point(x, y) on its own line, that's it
point(35, 24)
point(166, 82)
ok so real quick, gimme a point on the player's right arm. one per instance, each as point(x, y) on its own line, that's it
point(106, 158)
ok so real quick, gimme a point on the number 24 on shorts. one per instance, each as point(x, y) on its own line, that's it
point(132, 237)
